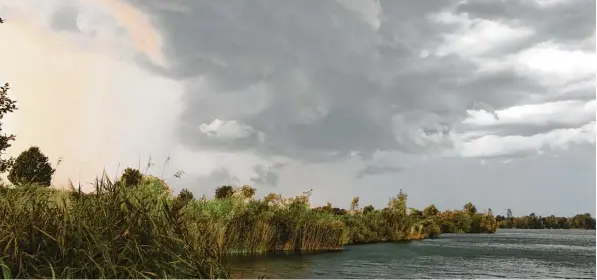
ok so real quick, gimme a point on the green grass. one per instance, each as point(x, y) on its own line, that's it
point(114, 233)
point(143, 231)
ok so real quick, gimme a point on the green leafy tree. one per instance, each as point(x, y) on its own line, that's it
point(248, 191)
point(224, 192)
point(369, 209)
point(430, 211)
point(7, 105)
point(31, 167)
point(488, 223)
point(470, 209)
point(415, 213)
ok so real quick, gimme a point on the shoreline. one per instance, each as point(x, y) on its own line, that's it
point(192, 238)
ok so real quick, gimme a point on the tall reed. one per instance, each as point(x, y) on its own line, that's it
point(116, 232)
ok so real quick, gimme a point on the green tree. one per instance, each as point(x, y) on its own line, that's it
point(395, 216)
point(7, 105)
point(224, 192)
point(354, 205)
point(488, 223)
point(470, 209)
point(368, 209)
point(31, 167)
point(430, 211)
point(248, 191)
point(509, 218)
point(415, 213)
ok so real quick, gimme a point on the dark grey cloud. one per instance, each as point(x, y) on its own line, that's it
point(317, 82)
point(321, 82)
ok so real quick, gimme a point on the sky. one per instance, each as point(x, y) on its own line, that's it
point(486, 101)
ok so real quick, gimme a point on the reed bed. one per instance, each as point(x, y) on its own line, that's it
point(112, 233)
point(142, 230)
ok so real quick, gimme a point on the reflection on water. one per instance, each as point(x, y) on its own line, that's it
point(506, 254)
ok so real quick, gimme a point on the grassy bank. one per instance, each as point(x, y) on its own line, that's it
point(115, 233)
point(140, 229)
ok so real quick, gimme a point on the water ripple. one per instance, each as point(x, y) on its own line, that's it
point(506, 254)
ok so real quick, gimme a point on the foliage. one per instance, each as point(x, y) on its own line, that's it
point(131, 177)
point(430, 211)
point(455, 222)
point(248, 191)
point(368, 209)
point(224, 192)
point(532, 221)
point(115, 232)
point(145, 231)
point(31, 167)
point(185, 195)
point(470, 209)
point(7, 105)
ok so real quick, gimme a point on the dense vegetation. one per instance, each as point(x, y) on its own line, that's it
point(532, 221)
point(123, 230)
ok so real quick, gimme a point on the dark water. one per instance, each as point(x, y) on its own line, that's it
point(506, 254)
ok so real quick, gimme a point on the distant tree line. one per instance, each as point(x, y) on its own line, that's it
point(532, 221)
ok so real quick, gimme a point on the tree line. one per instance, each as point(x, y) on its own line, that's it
point(532, 221)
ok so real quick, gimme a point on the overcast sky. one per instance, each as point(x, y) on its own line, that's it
point(452, 101)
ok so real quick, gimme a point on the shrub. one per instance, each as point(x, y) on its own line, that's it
point(248, 191)
point(131, 177)
point(185, 195)
point(31, 167)
point(224, 192)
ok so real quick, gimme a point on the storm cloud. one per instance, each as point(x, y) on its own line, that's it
point(335, 93)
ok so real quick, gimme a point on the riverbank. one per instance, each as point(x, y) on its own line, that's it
point(143, 230)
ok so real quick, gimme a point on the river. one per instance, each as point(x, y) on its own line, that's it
point(505, 254)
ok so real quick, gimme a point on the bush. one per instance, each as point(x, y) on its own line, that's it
point(224, 192)
point(131, 177)
point(31, 167)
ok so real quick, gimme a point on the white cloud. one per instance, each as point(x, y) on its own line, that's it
point(565, 112)
point(227, 129)
point(554, 65)
point(476, 37)
point(516, 145)
point(563, 123)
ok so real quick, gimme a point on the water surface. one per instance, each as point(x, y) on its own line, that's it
point(506, 254)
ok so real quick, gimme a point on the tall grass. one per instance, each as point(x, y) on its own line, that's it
point(113, 233)
point(234, 225)
point(144, 231)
